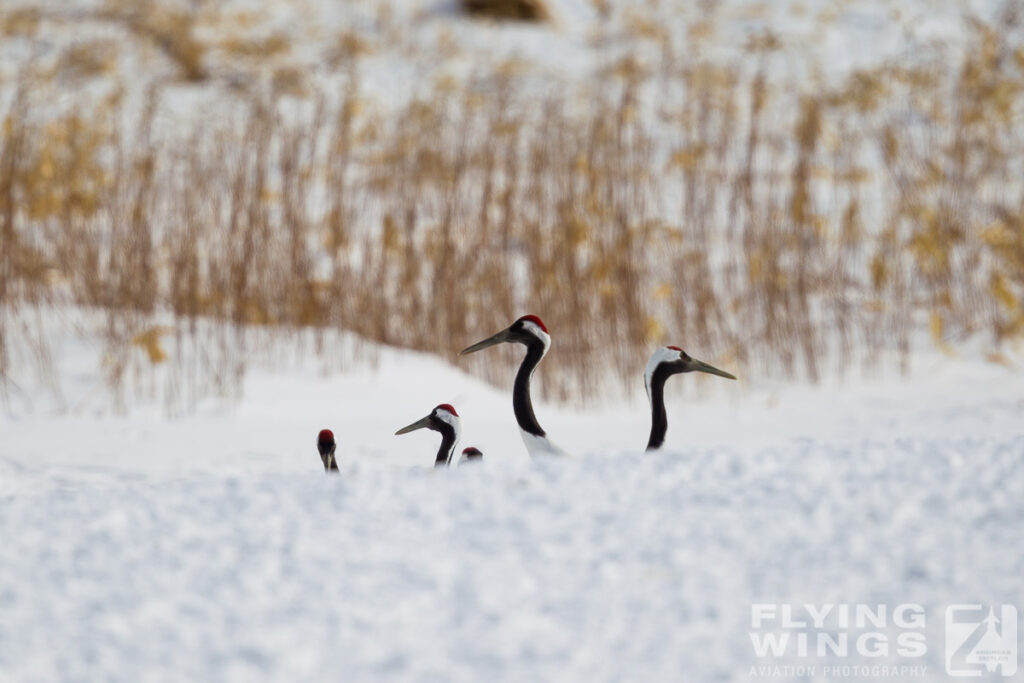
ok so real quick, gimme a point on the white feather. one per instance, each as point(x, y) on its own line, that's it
point(536, 330)
point(455, 423)
point(659, 356)
point(540, 446)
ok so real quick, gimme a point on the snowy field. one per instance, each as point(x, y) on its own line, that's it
point(213, 547)
point(135, 546)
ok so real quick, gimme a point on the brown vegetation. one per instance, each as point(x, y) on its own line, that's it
point(774, 233)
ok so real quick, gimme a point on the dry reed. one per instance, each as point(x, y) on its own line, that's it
point(777, 234)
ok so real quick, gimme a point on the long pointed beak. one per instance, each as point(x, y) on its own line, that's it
point(701, 366)
point(490, 341)
point(418, 424)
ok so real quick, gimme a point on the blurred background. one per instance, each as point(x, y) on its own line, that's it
point(787, 189)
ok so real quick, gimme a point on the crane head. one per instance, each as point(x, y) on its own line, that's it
point(674, 360)
point(529, 329)
point(326, 446)
point(440, 417)
point(472, 453)
point(325, 443)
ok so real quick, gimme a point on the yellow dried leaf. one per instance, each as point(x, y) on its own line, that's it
point(653, 330)
point(879, 272)
point(1002, 293)
point(935, 326)
point(997, 235)
point(149, 341)
point(686, 158)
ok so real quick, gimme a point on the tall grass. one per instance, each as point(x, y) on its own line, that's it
point(774, 228)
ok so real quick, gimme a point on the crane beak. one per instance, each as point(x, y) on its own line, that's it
point(701, 366)
point(502, 336)
point(422, 423)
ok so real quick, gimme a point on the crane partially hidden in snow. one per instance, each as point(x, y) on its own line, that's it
point(665, 362)
point(531, 332)
point(326, 445)
point(471, 454)
point(444, 420)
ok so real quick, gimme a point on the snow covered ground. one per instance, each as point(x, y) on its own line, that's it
point(213, 547)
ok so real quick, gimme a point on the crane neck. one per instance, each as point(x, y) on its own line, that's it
point(521, 402)
point(449, 438)
point(659, 418)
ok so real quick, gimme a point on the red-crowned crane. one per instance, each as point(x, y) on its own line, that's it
point(531, 332)
point(665, 362)
point(471, 454)
point(326, 446)
point(442, 419)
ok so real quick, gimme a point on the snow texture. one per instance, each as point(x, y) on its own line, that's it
point(213, 547)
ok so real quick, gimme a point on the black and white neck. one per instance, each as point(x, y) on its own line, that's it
point(450, 427)
point(538, 341)
point(659, 368)
point(665, 362)
point(444, 420)
point(530, 331)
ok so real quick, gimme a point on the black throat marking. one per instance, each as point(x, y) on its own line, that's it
point(659, 419)
point(327, 449)
point(448, 439)
point(521, 402)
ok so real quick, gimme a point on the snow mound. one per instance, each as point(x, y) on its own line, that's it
point(600, 568)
